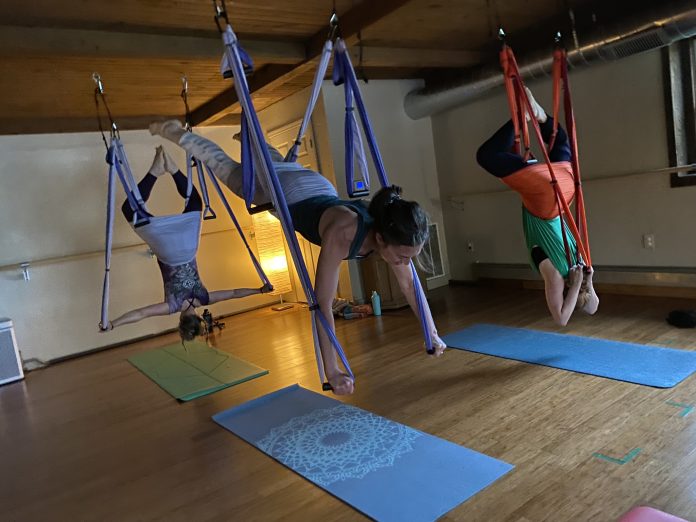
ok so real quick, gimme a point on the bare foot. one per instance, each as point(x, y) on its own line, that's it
point(169, 163)
point(170, 129)
point(538, 110)
point(158, 164)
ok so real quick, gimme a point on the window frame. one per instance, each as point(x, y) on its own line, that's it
point(679, 61)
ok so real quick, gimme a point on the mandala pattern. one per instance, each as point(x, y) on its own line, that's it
point(181, 283)
point(338, 443)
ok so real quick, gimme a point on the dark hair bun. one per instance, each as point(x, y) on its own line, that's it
point(398, 221)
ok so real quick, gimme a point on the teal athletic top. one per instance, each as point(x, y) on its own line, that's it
point(307, 213)
point(546, 234)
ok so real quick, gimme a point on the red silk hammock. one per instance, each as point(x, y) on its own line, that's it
point(519, 107)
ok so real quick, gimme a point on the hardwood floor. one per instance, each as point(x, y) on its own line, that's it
point(94, 439)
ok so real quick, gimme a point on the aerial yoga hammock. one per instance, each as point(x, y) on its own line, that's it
point(173, 239)
point(306, 202)
point(557, 241)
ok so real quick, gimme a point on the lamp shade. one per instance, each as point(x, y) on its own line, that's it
point(271, 247)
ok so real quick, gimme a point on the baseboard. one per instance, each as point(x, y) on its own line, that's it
point(638, 290)
point(677, 282)
point(64, 358)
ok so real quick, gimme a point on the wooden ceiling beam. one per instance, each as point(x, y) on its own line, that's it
point(45, 41)
point(357, 19)
point(224, 102)
point(62, 125)
point(15, 40)
point(398, 57)
point(365, 14)
point(67, 124)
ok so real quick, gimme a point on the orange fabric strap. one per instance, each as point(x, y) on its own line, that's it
point(519, 104)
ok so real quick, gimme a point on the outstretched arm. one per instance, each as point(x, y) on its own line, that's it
point(334, 248)
point(404, 276)
point(138, 314)
point(224, 295)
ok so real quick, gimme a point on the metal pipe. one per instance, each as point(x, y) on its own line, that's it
point(657, 25)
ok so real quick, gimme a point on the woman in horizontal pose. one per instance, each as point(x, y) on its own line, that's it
point(390, 226)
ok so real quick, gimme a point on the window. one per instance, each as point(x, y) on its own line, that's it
point(680, 94)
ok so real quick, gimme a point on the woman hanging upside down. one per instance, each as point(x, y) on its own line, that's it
point(392, 227)
point(174, 240)
point(567, 286)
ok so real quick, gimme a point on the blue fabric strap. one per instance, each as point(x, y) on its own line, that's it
point(418, 289)
point(227, 206)
point(354, 149)
point(208, 213)
point(118, 167)
point(189, 177)
point(248, 166)
point(117, 160)
point(110, 203)
point(344, 73)
point(291, 156)
point(265, 165)
point(346, 67)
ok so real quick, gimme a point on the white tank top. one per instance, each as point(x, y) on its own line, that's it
point(173, 239)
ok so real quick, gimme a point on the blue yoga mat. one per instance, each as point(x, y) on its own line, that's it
point(384, 469)
point(636, 363)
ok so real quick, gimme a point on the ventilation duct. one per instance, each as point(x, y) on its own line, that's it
point(626, 34)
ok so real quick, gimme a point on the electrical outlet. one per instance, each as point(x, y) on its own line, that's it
point(649, 241)
point(470, 246)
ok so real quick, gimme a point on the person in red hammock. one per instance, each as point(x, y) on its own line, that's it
point(568, 286)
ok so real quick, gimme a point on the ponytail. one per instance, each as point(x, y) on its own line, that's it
point(398, 221)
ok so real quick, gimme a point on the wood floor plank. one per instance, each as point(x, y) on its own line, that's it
point(94, 439)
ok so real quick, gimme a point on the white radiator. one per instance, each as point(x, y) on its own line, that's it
point(10, 363)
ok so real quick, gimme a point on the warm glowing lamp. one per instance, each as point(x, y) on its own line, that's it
point(271, 247)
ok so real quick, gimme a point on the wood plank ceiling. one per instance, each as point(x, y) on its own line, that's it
point(141, 48)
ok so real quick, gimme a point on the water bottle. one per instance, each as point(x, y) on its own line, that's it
point(376, 303)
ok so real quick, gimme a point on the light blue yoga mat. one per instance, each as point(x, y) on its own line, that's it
point(636, 363)
point(386, 470)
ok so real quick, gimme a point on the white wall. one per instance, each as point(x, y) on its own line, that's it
point(288, 111)
point(620, 114)
point(52, 204)
point(406, 146)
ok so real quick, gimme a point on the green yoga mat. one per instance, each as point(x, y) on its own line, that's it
point(194, 371)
